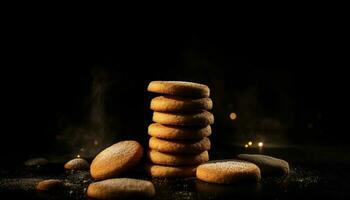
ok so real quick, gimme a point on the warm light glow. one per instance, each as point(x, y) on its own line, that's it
point(78, 156)
point(246, 146)
point(260, 144)
point(250, 143)
point(233, 116)
point(95, 142)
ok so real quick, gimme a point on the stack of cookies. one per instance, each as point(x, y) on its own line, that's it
point(179, 135)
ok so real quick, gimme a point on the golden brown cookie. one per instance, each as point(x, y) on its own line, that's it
point(116, 159)
point(179, 146)
point(170, 171)
point(50, 184)
point(228, 171)
point(160, 158)
point(180, 104)
point(178, 132)
point(121, 188)
point(179, 88)
point(77, 164)
point(202, 118)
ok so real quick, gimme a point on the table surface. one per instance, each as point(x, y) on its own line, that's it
point(315, 173)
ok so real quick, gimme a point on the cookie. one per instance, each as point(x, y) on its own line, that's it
point(170, 171)
point(228, 171)
point(121, 188)
point(202, 118)
point(269, 166)
point(178, 132)
point(179, 104)
point(179, 88)
point(50, 184)
point(77, 164)
point(116, 159)
point(179, 146)
point(160, 158)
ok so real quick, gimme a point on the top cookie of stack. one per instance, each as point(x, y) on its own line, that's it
point(179, 88)
point(182, 123)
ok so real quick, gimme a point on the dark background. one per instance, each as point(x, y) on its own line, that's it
point(74, 89)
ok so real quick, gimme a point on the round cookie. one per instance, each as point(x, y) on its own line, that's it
point(178, 133)
point(269, 166)
point(170, 171)
point(228, 171)
point(202, 118)
point(160, 158)
point(50, 184)
point(179, 146)
point(116, 159)
point(179, 104)
point(77, 164)
point(179, 88)
point(121, 188)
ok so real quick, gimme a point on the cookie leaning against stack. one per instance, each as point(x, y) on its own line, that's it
point(179, 140)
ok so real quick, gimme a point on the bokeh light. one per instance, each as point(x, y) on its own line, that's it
point(233, 116)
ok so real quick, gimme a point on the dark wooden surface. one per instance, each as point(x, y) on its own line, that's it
point(316, 172)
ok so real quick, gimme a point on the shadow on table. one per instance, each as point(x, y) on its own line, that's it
point(210, 190)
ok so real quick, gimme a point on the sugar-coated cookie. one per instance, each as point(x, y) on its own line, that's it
point(178, 132)
point(160, 158)
point(170, 171)
point(179, 88)
point(180, 104)
point(228, 171)
point(121, 188)
point(116, 159)
point(179, 146)
point(77, 164)
point(202, 118)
